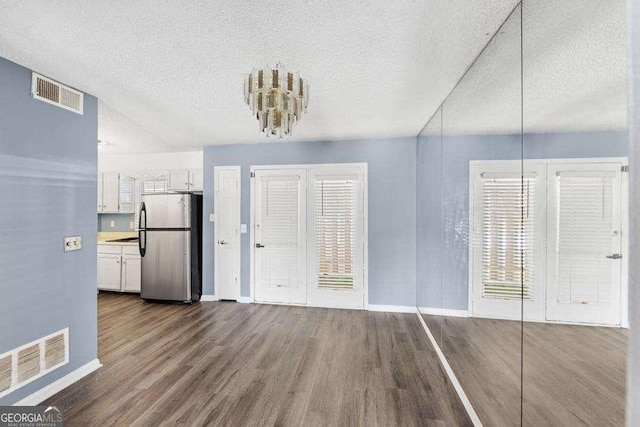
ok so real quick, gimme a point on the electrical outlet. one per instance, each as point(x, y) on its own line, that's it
point(243, 228)
point(72, 243)
point(131, 225)
point(212, 217)
point(113, 224)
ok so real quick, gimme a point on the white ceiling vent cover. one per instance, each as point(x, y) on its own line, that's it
point(57, 94)
point(22, 365)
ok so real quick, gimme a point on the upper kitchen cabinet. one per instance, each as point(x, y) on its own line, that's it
point(115, 193)
point(185, 180)
point(197, 180)
point(108, 192)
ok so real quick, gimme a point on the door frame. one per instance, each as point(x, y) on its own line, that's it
point(365, 231)
point(238, 251)
point(624, 218)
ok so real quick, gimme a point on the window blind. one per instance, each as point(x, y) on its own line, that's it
point(508, 237)
point(156, 184)
point(335, 207)
point(585, 228)
point(279, 231)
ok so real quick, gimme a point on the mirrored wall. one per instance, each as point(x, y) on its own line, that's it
point(522, 219)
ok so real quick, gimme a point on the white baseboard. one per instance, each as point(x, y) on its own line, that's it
point(392, 308)
point(434, 311)
point(452, 377)
point(208, 298)
point(245, 300)
point(46, 392)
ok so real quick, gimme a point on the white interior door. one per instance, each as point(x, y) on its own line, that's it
point(508, 217)
point(584, 242)
point(336, 236)
point(280, 236)
point(227, 232)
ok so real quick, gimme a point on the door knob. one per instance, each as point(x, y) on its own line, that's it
point(614, 256)
point(258, 245)
point(222, 242)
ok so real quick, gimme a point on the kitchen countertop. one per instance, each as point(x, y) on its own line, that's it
point(104, 236)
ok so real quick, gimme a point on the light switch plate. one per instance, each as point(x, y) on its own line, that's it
point(72, 243)
point(212, 217)
point(243, 228)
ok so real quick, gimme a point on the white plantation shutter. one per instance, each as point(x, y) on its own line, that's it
point(279, 231)
point(585, 229)
point(508, 233)
point(147, 185)
point(335, 210)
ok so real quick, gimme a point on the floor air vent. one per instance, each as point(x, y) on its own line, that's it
point(55, 93)
point(24, 364)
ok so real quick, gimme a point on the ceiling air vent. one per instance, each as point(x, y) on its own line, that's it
point(55, 93)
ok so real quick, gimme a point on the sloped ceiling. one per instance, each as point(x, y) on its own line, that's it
point(168, 74)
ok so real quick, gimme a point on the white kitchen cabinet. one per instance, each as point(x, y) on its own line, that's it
point(196, 180)
point(178, 181)
point(185, 180)
point(109, 202)
point(119, 268)
point(109, 272)
point(100, 182)
point(131, 271)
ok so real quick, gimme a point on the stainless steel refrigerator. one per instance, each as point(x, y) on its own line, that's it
point(170, 242)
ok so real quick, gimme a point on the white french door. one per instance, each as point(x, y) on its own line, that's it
point(226, 232)
point(280, 229)
point(309, 235)
point(336, 236)
point(584, 242)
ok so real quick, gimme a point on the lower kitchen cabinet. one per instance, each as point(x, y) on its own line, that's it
point(119, 268)
point(131, 270)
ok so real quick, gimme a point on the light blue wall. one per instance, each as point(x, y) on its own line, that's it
point(48, 181)
point(443, 199)
point(121, 222)
point(392, 204)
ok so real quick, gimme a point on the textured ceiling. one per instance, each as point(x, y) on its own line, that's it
point(168, 74)
point(573, 76)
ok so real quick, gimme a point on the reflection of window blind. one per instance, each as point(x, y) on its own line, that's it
point(335, 227)
point(148, 186)
point(585, 229)
point(508, 237)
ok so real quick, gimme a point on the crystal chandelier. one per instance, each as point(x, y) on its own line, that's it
point(277, 98)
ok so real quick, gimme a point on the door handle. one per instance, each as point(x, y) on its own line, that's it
point(222, 242)
point(614, 256)
point(258, 245)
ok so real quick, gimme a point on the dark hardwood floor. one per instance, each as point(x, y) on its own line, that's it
point(225, 363)
point(573, 375)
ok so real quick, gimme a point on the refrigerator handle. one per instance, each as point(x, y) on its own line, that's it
point(143, 213)
point(142, 233)
point(142, 242)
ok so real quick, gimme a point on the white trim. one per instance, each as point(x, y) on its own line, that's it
point(435, 311)
point(59, 385)
point(238, 254)
point(208, 298)
point(452, 377)
point(391, 308)
point(245, 300)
